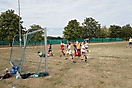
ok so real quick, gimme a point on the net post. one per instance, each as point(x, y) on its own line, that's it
point(45, 49)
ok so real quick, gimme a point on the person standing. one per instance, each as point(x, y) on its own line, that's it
point(130, 42)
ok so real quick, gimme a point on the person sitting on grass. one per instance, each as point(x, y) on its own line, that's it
point(5, 75)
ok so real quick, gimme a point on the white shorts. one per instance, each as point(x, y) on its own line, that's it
point(69, 52)
point(83, 52)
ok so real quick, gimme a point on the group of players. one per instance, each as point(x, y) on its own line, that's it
point(79, 50)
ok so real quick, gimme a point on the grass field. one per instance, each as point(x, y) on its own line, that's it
point(109, 66)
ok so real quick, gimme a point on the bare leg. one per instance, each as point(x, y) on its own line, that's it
point(66, 56)
point(74, 59)
point(85, 58)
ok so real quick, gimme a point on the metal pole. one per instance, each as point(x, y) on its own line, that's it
point(19, 22)
point(45, 49)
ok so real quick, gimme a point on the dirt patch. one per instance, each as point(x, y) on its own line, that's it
point(109, 66)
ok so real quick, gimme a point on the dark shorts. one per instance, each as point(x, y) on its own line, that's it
point(49, 50)
point(86, 47)
point(83, 52)
point(130, 43)
point(79, 50)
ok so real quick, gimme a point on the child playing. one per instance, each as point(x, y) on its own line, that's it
point(41, 54)
point(79, 47)
point(75, 53)
point(62, 45)
point(69, 52)
point(86, 46)
point(83, 52)
point(50, 50)
point(130, 42)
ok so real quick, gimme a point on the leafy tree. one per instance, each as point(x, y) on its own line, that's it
point(72, 30)
point(104, 32)
point(115, 31)
point(91, 28)
point(51, 37)
point(35, 26)
point(9, 25)
point(126, 32)
point(37, 36)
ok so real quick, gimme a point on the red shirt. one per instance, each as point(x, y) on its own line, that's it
point(62, 46)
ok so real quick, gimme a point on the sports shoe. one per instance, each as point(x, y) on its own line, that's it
point(82, 59)
point(1, 78)
point(51, 54)
point(85, 59)
point(66, 59)
point(74, 62)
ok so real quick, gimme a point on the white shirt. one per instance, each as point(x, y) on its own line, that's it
point(83, 48)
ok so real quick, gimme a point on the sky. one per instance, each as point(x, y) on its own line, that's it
point(55, 14)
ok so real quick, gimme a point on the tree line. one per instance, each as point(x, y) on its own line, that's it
point(9, 27)
point(91, 28)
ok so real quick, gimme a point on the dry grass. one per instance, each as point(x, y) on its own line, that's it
point(109, 66)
